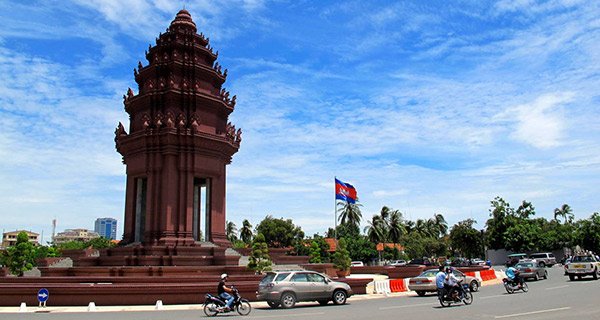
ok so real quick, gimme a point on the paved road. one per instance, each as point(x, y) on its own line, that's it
point(555, 298)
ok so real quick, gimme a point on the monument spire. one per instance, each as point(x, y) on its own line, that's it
point(179, 142)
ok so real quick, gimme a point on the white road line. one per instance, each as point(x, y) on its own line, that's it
point(408, 306)
point(532, 312)
point(566, 285)
point(290, 315)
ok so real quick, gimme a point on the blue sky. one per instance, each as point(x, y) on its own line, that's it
point(424, 106)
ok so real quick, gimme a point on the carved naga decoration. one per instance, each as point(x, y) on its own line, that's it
point(119, 132)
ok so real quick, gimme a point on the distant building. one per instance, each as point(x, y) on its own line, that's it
point(75, 235)
point(10, 238)
point(106, 227)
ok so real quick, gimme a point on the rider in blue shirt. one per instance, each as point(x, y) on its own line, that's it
point(513, 275)
point(439, 281)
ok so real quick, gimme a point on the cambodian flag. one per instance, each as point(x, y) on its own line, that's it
point(345, 191)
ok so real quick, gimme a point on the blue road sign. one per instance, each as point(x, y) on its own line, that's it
point(43, 295)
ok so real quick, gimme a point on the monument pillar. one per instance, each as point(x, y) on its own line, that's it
point(179, 141)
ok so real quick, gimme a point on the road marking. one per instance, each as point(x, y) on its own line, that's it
point(291, 315)
point(560, 287)
point(532, 312)
point(408, 306)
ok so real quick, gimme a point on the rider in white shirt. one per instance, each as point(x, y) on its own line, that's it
point(450, 282)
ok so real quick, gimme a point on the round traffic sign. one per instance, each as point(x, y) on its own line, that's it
point(43, 295)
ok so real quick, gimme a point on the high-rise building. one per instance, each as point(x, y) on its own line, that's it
point(106, 227)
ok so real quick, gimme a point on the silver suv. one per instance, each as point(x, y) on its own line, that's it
point(285, 288)
point(544, 259)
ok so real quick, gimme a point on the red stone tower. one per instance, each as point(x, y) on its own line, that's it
point(179, 142)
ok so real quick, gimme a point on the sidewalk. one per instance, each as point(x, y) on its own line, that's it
point(255, 304)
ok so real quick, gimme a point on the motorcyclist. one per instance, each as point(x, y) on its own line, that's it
point(439, 281)
point(513, 275)
point(225, 292)
point(450, 282)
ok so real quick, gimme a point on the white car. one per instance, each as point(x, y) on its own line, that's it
point(357, 264)
point(477, 262)
point(581, 266)
point(397, 263)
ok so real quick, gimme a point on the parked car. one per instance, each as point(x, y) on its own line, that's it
point(460, 262)
point(477, 262)
point(288, 287)
point(397, 263)
point(544, 259)
point(420, 261)
point(531, 270)
point(515, 258)
point(357, 264)
point(425, 282)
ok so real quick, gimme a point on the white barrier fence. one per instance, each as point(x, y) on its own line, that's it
point(382, 287)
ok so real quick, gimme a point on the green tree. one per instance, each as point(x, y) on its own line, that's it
point(341, 257)
point(323, 247)
point(565, 212)
point(72, 245)
point(501, 219)
point(42, 252)
point(522, 236)
point(231, 231)
point(526, 210)
point(361, 249)
point(20, 257)
point(246, 231)
point(395, 227)
point(376, 229)
point(99, 243)
point(588, 233)
point(414, 245)
point(345, 230)
point(315, 253)
point(465, 240)
point(350, 213)
point(440, 224)
point(391, 253)
point(279, 233)
point(259, 257)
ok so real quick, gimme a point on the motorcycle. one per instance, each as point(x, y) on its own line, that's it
point(512, 286)
point(214, 305)
point(460, 294)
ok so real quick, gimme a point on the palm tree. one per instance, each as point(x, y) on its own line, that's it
point(409, 225)
point(566, 212)
point(231, 231)
point(350, 213)
point(440, 224)
point(396, 227)
point(385, 213)
point(375, 229)
point(246, 231)
point(424, 227)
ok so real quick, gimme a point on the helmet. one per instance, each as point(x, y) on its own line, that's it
point(224, 275)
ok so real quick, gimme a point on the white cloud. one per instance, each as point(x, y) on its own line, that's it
point(540, 123)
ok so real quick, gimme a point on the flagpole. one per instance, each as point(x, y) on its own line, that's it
point(334, 209)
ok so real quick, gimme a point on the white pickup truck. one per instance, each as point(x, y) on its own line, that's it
point(581, 266)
